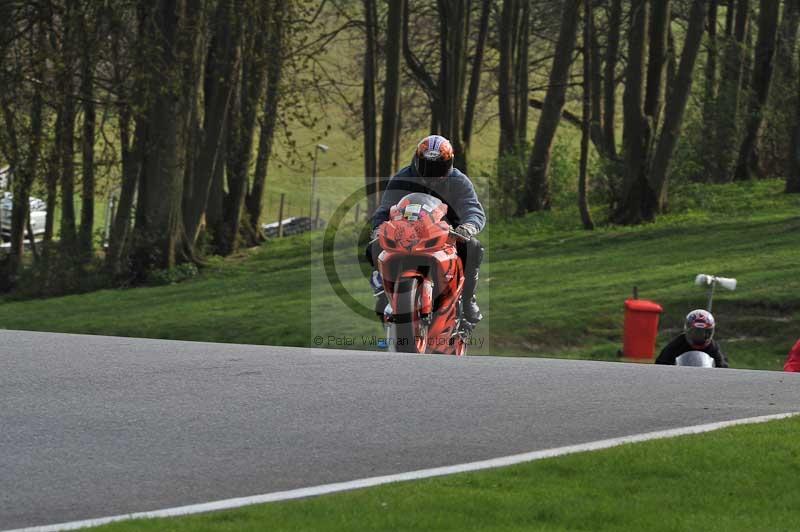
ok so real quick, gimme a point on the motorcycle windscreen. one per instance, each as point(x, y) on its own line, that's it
point(418, 204)
point(697, 359)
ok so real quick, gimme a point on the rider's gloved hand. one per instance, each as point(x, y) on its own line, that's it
point(466, 230)
point(372, 242)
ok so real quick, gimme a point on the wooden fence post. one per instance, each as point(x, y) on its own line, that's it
point(280, 217)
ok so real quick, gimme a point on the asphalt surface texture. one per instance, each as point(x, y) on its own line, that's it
point(93, 426)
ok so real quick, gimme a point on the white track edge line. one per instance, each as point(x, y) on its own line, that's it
point(502, 461)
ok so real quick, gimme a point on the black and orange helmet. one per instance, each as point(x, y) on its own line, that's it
point(434, 157)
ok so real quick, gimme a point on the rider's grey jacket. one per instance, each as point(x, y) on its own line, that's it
point(456, 191)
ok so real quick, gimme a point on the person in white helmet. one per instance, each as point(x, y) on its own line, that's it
point(698, 335)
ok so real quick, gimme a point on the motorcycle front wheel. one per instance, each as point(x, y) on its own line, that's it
point(412, 333)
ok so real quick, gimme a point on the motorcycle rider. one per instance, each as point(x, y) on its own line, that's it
point(698, 335)
point(431, 171)
point(793, 360)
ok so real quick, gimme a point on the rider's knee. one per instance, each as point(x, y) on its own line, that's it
point(474, 250)
point(368, 252)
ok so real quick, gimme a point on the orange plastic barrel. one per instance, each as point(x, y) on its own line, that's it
point(641, 328)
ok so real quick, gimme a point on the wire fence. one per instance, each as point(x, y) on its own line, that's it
point(285, 212)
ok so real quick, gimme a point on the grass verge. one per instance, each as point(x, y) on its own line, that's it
point(548, 288)
point(741, 478)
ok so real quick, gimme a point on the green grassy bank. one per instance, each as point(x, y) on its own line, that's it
point(742, 478)
point(548, 288)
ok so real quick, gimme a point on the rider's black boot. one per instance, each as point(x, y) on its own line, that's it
point(381, 300)
point(472, 312)
point(380, 305)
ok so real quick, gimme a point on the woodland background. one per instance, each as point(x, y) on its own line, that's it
point(182, 109)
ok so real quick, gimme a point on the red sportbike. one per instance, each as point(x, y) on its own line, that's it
point(423, 278)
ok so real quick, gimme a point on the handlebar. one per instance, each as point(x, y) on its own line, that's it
point(459, 235)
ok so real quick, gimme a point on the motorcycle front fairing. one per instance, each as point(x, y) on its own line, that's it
point(416, 243)
point(697, 359)
point(442, 268)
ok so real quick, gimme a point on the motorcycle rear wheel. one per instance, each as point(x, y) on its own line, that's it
point(412, 333)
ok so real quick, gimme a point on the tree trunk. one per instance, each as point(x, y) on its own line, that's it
point(475, 76)
point(727, 109)
point(119, 239)
point(672, 62)
point(276, 51)
point(521, 76)
point(583, 203)
point(397, 131)
point(710, 95)
point(747, 163)
point(391, 94)
point(657, 63)
point(505, 78)
point(793, 175)
point(159, 227)
point(85, 243)
point(730, 16)
point(635, 133)
point(222, 63)
point(415, 66)
point(67, 225)
point(779, 121)
point(537, 186)
point(596, 125)
point(368, 110)
point(513, 104)
point(509, 148)
point(191, 135)
point(51, 180)
point(747, 66)
point(609, 78)
point(787, 41)
point(31, 238)
point(446, 93)
point(454, 21)
point(129, 99)
point(67, 230)
point(216, 197)
point(676, 106)
point(25, 161)
point(242, 132)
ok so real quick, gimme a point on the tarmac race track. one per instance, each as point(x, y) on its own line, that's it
point(93, 426)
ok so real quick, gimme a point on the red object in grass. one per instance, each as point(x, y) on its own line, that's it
point(793, 360)
point(641, 328)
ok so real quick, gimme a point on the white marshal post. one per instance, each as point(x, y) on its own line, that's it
point(711, 281)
